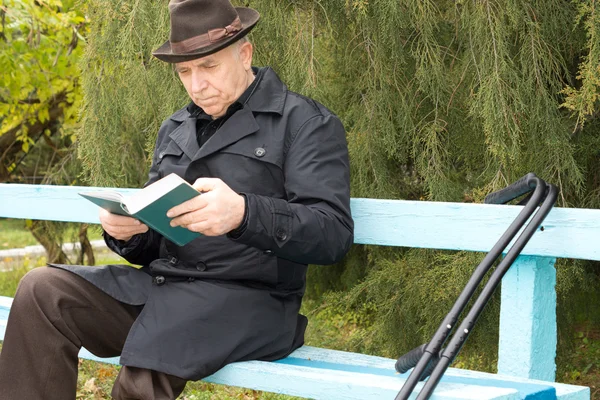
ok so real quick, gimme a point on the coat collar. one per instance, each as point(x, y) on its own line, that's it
point(241, 124)
point(268, 97)
point(270, 93)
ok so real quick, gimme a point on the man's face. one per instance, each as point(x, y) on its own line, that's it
point(214, 82)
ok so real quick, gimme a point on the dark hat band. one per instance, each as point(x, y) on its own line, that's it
point(213, 36)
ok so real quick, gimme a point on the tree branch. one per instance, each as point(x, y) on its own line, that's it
point(9, 151)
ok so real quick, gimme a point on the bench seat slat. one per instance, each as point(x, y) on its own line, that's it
point(339, 385)
point(331, 374)
point(563, 391)
point(330, 384)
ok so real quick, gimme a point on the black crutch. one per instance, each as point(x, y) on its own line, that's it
point(427, 359)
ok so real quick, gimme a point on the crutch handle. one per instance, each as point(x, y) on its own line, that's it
point(410, 360)
point(516, 189)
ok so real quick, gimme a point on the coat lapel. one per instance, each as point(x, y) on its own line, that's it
point(240, 124)
point(185, 137)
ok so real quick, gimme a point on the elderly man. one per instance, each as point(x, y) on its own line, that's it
point(273, 170)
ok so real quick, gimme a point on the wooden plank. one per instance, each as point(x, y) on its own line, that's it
point(331, 384)
point(563, 391)
point(5, 303)
point(352, 361)
point(340, 385)
point(526, 390)
point(48, 202)
point(318, 383)
point(568, 233)
point(528, 319)
point(342, 377)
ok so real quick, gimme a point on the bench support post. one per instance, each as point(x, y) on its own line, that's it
point(527, 347)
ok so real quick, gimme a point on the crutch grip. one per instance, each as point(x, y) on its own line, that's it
point(516, 189)
point(410, 360)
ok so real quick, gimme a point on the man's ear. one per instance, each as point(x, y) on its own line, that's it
point(246, 51)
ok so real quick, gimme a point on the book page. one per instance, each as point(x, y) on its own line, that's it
point(111, 196)
point(153, 192)
point(110, 201)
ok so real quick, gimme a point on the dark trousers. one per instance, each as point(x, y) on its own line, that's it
point(54, 314)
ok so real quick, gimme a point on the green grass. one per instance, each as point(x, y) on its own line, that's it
point(583, 365)
point(14, 234)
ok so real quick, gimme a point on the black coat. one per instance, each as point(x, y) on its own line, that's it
point(227, 299)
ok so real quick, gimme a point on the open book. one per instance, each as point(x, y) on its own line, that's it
point(150, 205)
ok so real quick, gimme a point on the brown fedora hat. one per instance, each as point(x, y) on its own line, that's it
point(203, 27)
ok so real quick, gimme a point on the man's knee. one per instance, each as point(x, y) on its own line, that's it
point(41, 283)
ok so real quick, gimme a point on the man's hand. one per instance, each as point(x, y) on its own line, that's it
point(216, 212)
point(119, 226)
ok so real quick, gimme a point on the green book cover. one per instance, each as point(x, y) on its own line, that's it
point(150, 205)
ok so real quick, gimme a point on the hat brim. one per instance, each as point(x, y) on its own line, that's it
point(248, 16)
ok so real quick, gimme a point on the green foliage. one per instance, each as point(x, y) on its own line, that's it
point(583, 101)
point(128, 93)
point(581, 366)
point(39, 86)
point(405, 298)
point(442, 100)
point(40, 95)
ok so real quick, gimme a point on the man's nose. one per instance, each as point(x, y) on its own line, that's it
point(199, 82)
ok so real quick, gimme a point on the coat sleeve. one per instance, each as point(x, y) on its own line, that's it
point(143, 248)
point(314, 224)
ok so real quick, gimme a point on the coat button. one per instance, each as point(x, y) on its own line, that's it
point(259, 152)
point(200, 266)
point(280, 234)
point(159, 280)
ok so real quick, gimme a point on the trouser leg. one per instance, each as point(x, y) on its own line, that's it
point(54, 314)
point(144, 384)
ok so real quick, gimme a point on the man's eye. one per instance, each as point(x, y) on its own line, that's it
point(183, 71)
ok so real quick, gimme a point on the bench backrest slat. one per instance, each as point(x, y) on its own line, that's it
point(567, 232)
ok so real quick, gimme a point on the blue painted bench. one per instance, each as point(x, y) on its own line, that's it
point(527, 345)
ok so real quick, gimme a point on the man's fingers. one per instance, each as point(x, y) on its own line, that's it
point(206, 184)
point(128, 229)
point(119, 226)
point(124, 233)
point(197, 203)
point(202, 227)
point(117, 220)
point(188, 218)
